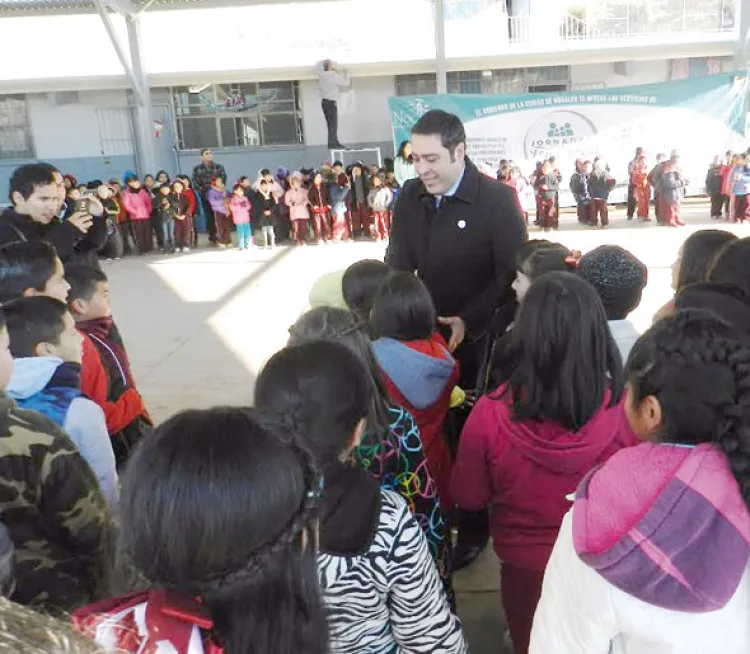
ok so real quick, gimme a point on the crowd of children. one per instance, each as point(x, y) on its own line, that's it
point(616, 466)
point(329, 205)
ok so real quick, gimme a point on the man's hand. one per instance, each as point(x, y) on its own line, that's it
point(96, 208)
point(458, 331)
point(82, 221)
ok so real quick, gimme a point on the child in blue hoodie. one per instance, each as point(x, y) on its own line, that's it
point(417, 369)
point(47, 350)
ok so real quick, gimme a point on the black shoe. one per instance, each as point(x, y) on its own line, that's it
point(464, 555)
point(630, 217)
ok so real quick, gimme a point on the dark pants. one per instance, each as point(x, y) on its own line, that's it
point(208, 212)
point(717, 204)
point(741, 208)
point(598, 208)
point(360, 220)
point(520, 589)
point(157, 224)
point(143, 235)
point(631, 201)
point(548, 217)
point(223, 229)
point(331, 113)
point(183, 233)
point(322, 225)
point(727, 200)
point(128, 238)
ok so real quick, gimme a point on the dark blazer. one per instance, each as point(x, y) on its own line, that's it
point(463, 251)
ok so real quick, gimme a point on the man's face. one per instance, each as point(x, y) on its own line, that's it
point(434, 164)
point(69, 346)
point(41, 206)
point(6, 359)
point(57, 286)
point(207, 157)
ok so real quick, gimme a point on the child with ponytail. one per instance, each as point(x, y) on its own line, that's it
point(218, 519)
point(653, 556)
point(380, 585)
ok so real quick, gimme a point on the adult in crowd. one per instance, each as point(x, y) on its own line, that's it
point(36, 199)
point(331, 81)
point(203, 174)
point(459, 231)
point(403, 164)
point(631, 187)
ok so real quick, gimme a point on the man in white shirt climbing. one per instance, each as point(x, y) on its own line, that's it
point(331, 81)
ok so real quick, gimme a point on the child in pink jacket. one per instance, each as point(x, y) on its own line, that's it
point(137, 203)
point(297, 200)
point(241, 207)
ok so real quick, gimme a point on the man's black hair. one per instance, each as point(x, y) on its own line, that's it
point(338, 163)
point(447, 126)
point(83, 280)
point(204, 150)
point(23, 265)
point(27, 178)
point(731, 265)
point(33, 320)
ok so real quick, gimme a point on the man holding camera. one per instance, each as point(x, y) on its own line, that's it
point(38, 194)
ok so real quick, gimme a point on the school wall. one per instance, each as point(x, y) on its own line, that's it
point(89, 133)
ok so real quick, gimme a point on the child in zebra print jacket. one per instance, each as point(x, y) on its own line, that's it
point(380, 586)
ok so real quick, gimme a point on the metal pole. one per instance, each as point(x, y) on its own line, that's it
point(742, 29)
point(144, 127)
point(441, 69)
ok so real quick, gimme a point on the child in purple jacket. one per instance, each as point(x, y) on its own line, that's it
point(217, 198)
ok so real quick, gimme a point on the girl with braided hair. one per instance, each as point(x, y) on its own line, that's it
point(217, 521)
point(381, 588)
point(653, 556)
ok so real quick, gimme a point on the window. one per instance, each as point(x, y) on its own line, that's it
point(237, 115)
point(15, 130)
point(425, 84)
point(465, 81)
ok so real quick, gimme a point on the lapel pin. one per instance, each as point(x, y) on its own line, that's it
point(461, 224)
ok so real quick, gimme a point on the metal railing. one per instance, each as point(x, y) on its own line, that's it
point(592, 23)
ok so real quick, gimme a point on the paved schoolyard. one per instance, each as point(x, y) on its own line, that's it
point(199, 326)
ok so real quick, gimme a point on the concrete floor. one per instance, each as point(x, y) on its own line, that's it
point(199, 326)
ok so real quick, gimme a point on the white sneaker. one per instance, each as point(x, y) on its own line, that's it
point(186, 249)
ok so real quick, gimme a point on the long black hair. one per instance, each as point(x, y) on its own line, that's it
point(322, 386)
point(543, 257)
point(699, 252)
point(696, 365)
point(342, 326)
point(216, 504)
point(561, 359)
point(403, 309)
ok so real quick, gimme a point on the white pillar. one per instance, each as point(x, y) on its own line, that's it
point(441, 69)
point(144, 121)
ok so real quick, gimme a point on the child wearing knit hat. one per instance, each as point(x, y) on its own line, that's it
point(619, 278)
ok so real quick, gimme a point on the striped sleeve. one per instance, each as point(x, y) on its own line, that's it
point(420, 617)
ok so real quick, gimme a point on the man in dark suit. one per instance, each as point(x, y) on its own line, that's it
point(459, 230)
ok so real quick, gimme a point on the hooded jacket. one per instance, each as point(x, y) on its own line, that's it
point(53, 510)
point(420, 376)
point(53, 388)
point(653, 557)
point(525, 470)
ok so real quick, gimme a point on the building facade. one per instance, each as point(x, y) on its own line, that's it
point(241, 81)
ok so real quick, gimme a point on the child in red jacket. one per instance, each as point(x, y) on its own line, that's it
point(417, 368)
point(527, 446)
